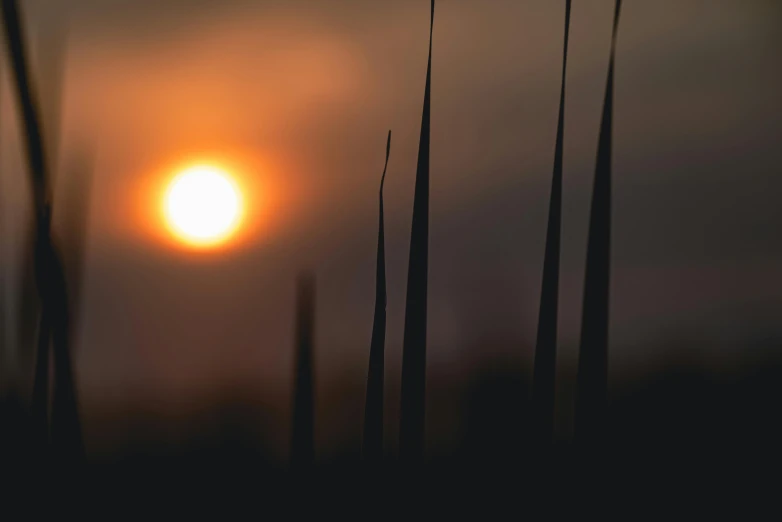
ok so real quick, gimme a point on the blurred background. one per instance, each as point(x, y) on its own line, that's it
point(296, 97)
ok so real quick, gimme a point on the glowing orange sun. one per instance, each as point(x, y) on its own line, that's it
point(203, 206)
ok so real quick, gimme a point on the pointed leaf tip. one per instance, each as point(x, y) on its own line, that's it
point(385, 166)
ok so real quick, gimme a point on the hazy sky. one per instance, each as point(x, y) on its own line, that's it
point(301, 94)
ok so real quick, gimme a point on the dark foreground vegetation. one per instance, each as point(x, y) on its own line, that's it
point(677, 424)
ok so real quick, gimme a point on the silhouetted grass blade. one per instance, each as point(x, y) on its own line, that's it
point(372, 449)
point(29, 317)
point(544, 372)
point(66, 434)
point(49, 272)
point(52, 40)
point(30, 321)
point(30, 112)
point(593, 357)
point(51, 48)
point(302, 433)
point(412, 414)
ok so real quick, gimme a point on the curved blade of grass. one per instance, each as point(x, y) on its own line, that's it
point(544, 372)
point(30, 320)
point(49, 273)
point(30, 112)
point(51, 49)
point(372, 448)
point(592, 380)
point(412, 412)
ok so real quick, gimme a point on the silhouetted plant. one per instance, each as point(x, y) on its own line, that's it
point(51, 50)
point(302, 450)
point(49, 272)
point(29, 106)
point(413, 391)
point(50, 59)
point(372, 448)
point(593, 357)
point(75, 217)
point(544, 373)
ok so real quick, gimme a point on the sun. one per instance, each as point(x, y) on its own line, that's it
point(203, 206)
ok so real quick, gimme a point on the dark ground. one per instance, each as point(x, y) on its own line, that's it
point(680, 429)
